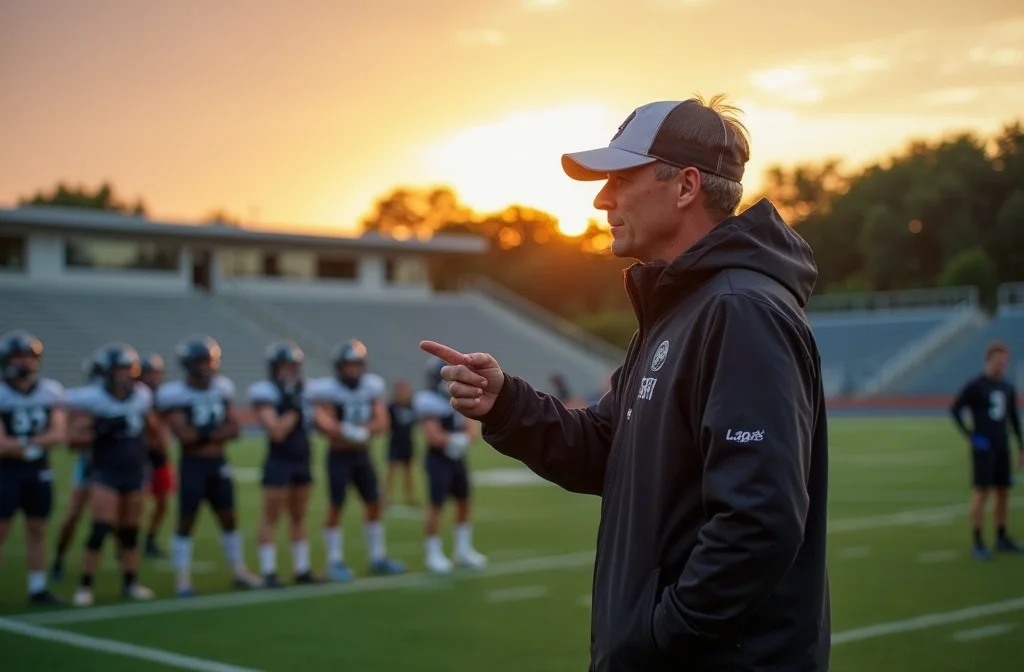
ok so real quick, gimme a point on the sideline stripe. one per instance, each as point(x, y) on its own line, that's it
point(255, 597)
point(927, 621)
point(119, 648)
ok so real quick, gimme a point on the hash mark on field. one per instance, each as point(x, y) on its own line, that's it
point(983, 632)
point(246, 474)
point(931, 557)
point(855, 553)
point(928, 621)
point(292, 593)
point(507, 478)
point(585, 601)
point(118, 648)
point(516, 594)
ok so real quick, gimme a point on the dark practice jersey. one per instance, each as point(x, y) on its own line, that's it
point(206, 409)
point(295, 446)
point(403, 417)
point(991, 403)
point(119, 444)
point(27, 414)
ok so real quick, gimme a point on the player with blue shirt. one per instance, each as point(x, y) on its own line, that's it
point(200, 412)
point(286, 416)
point(349, 410)
point(112, 416)
point(448, 437)
point(992, 402)
point(32, 421)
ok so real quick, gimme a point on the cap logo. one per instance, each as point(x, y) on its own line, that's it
point(622, 127)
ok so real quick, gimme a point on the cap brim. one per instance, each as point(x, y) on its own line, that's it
point(595, 164)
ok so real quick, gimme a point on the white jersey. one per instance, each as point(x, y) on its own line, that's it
point(27, 414)
point(353, 405)
point(205, 409)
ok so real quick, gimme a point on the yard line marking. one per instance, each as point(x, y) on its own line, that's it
point(256, 597)
point(119, 648)
point(931, 557)
point(585, 601)
point(983, 632)
point(909, 517)
point(515, 594)
point(928, 621)
point(855, 553)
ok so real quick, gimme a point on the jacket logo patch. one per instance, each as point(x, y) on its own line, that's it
point(660, 355)
point(744, 437)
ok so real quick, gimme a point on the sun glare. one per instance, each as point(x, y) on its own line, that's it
point(517, 160)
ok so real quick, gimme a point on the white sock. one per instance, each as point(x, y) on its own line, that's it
point(375, 541)
point(232, 543)
point(434, 546)
point(333, 542)
point(463, 538)
point(36, 582)
point(268, 559)
point(181, 550)
point(300, 557)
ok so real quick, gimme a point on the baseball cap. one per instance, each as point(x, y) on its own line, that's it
point(651, 133)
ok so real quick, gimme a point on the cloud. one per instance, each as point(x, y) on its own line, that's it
point(914, 72)
point(480, 37)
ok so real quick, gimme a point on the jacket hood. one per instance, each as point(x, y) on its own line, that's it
point(757, 239)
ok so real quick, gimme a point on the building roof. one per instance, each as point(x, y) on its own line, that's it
point(99, 222)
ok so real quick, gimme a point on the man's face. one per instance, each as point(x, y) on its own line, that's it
point(153, 378)
point(997, 363)
point(643, 212)
point(403, 393)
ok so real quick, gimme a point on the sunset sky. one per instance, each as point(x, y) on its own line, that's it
point(297, 114)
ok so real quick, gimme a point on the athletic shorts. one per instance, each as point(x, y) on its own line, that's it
point(282, 473)
point(400, 452)
point(446, 477)
point(205, 478)
point(161, 480)
point(355, 467)
point(25, 486)
point(992, 468)
point(82, 472)
point(119, 480)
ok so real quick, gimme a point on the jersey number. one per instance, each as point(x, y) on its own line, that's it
point(210, 414)
point(357, 413)
point(28, 421)
point(997, 406)
point(133, 424)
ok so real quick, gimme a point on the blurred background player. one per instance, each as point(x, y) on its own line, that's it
point(349, 410)
point(80, 480)
point(281, 409)
point(448, 437)
point(158, 445)
point(32, 421)
point(992, 401)
point(200, 412)
point(400, 447)
point(113, 416)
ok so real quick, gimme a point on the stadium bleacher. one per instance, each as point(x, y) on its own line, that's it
point(73, 322)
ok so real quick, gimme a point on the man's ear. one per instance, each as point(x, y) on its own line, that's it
point(689, 187)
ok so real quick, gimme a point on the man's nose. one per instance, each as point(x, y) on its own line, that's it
point(605, 199)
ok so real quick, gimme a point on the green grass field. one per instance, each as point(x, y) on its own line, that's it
point(905, 593)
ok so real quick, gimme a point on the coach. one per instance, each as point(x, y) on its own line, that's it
point(710, 451)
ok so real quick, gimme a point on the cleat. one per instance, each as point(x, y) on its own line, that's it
point(138, 592)
point(439, 564)
point(271, 581)
point(45, 598)
point(187, 591)
point(57, 571)
point(470, 559)
point(154, 552)
point(387, 566)
point(981, 553)
point(83, 597)
point(340, 572)
point(309, 578)
point(244, 579)
point(1007, 545)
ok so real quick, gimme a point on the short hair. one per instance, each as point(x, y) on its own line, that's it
point(996, 347)
point(721, 196)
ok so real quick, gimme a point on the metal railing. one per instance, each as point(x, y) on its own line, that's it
point(1010, 297)
point(904, 299)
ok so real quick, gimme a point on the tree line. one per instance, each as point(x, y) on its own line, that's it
point(943, 212)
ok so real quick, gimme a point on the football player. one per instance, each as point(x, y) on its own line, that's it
point(992, 402)
point(200, 412)
point(281, 409)
point(349, 410)
point(32, 421)
point(80, 482)
point(448, 437)
point(400, 441)
point(158, 444)
point(113, 416)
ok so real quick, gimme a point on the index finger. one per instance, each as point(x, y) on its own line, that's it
point(449, 355)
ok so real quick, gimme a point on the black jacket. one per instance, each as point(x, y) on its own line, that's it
point(711, 457)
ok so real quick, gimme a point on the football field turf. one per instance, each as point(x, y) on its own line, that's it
point(906, 594)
